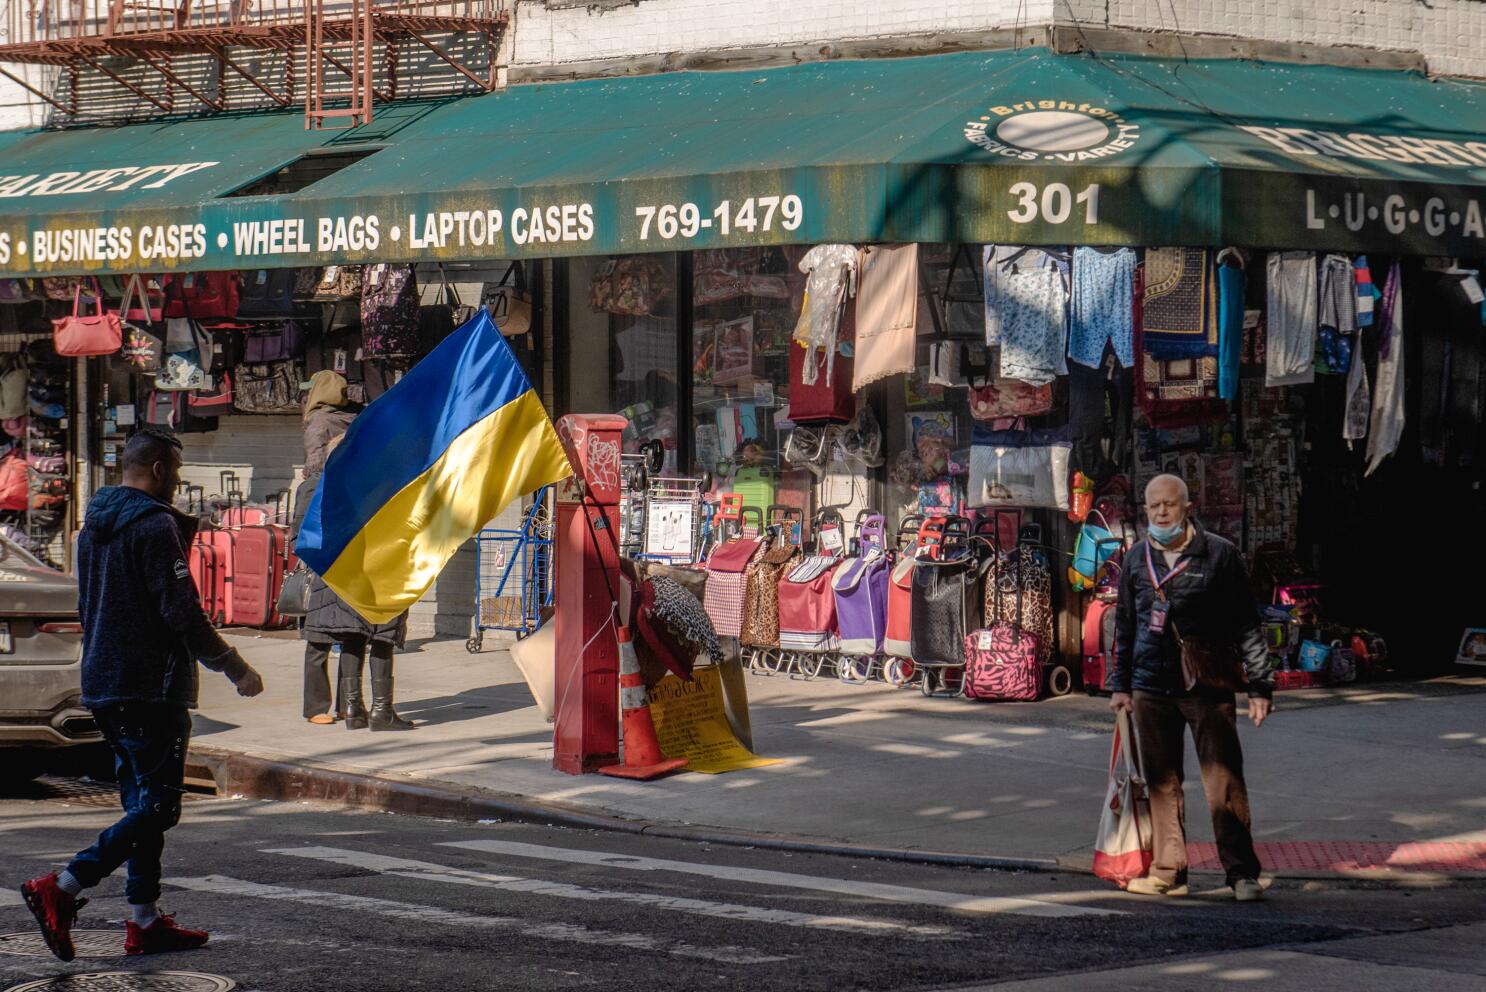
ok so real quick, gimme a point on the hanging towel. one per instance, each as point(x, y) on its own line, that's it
point(1180, 318)
point(1362, 280)
point(1387, 400)
point(1359, 400)
point(886, 313)
point(1290, 339)
point(1230, 323)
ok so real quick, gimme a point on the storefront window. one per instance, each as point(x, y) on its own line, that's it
point(746, 302)
point(622, 345)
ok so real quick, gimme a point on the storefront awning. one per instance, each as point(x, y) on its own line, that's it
point(1022, 147)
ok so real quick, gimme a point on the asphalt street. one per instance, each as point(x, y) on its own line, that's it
point(301, 897)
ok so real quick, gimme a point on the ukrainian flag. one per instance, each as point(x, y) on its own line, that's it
point(425, 467)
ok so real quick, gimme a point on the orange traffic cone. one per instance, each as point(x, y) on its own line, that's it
point(642, 756)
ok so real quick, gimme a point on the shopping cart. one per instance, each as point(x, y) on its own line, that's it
point(513, 583)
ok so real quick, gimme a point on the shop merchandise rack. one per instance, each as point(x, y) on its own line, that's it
point(513, 583)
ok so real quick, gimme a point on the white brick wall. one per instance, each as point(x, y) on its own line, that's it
point(549, 35)
point(1451, 34)
point(18, 108)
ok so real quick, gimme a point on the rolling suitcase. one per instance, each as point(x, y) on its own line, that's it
point(259, 562)
point(215, 573)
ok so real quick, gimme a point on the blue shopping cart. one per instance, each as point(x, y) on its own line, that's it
point(513, 583)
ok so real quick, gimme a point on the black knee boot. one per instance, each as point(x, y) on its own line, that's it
point(351, 662)
point(383, 717)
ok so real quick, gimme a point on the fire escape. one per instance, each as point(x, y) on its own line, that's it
point(340, 58)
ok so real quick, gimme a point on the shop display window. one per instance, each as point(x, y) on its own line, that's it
point(745, 305)
point(622, 349)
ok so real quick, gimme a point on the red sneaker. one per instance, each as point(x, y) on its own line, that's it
point(161, 937)
point(55, 912)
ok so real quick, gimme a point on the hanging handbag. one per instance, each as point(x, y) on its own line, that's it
point(509, 303)
point(142, 350)
point(294, 594)
point(80, 335)
point(267, 293)
point(214, 400)
point(63, 288)
point(338, 282)
point(272, 388)
point(148, 301)
point(203, 295)
point(186, 356)
point(1019, 468)
point(820, 402)
point(438, 320)
point(278, 343)
point(389, 311)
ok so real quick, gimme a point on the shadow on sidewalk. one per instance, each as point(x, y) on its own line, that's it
point(468, 705)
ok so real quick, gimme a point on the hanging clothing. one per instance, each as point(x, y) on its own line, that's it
point(1359, 400)
point(1290, 343)
point(1366, 294)
point(1180, 305)
point(1100, 406)
point(1032, 302)
point(886, 313)
point(1338, 294)
point(1103, 283)
point(1387, 408)
point(993, 260)
point(831, 276)
point(1231, 281)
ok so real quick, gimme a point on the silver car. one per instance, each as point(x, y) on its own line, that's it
point(40, 666)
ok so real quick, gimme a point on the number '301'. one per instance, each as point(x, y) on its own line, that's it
point(1054, 203)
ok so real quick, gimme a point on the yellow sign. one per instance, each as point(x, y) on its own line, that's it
point(690, 723)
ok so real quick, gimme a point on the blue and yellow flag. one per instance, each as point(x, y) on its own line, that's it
point(425, 467)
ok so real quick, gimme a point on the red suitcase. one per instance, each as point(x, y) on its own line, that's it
point(208, 573)
point(1099, 646)
point(260, 560)
point(211, 556)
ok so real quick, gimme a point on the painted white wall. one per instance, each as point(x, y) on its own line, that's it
point(18, 108)
point(1451, 34)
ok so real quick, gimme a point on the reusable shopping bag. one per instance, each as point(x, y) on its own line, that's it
point(1123, 849)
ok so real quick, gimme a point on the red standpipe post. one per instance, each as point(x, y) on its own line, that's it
point(586, 546)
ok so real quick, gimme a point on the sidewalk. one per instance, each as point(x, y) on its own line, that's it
point(1384, 765)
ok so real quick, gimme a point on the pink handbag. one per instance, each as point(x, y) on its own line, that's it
point(79, 335)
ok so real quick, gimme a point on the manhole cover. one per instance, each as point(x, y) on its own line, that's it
point(130, 981)
point(88, 943)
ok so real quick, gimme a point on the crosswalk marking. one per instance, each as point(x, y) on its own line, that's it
point(565, 932)
point(758, 876)
point(428, 871)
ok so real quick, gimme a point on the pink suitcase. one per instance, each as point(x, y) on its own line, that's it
point(260, 560)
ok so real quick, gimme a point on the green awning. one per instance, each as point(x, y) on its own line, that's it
point(1025, 147)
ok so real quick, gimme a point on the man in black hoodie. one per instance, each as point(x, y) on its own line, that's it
point(143, 633)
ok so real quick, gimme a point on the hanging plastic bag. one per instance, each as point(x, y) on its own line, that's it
point(1123, 848)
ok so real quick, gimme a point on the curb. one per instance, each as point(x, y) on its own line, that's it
point(264, 778)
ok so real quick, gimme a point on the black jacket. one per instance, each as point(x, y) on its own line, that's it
point(329, 617)
point(143, 626)
point(1211, 600)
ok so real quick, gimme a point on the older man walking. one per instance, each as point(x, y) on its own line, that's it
point(1183, 586)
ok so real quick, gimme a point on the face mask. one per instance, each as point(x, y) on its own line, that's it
point(1165, 535)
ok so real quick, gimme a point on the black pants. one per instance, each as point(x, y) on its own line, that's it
point(350, 665)
point(149, 744)
point(1161, 723)
point(1099, 411)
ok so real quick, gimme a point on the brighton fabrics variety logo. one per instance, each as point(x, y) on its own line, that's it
point(1052, 130)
